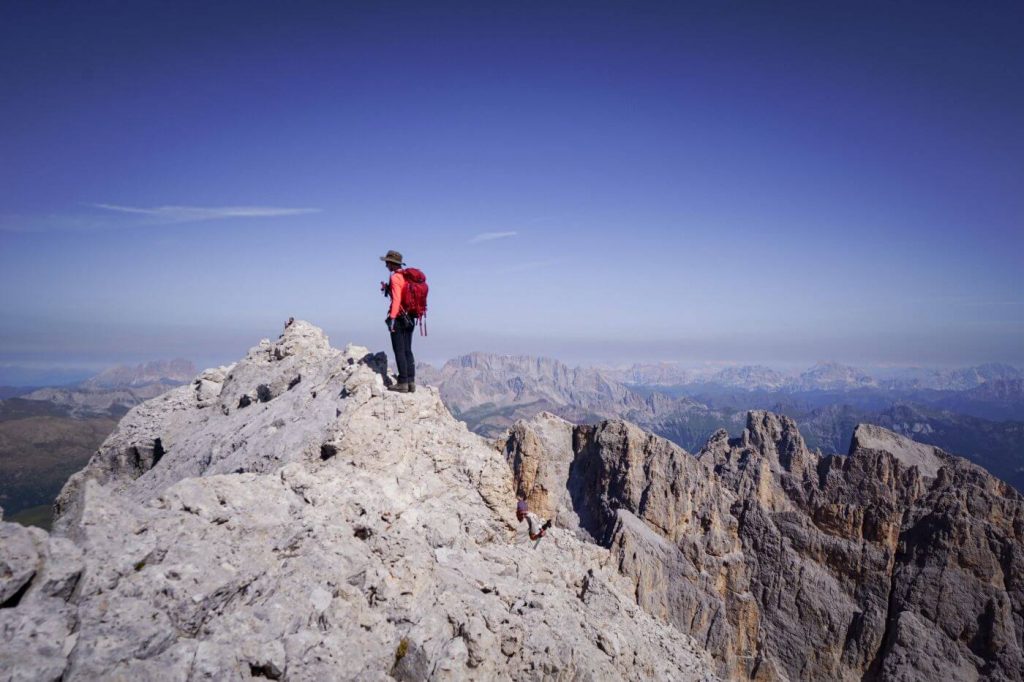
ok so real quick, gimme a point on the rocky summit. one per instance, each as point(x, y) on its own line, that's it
point(288, 518)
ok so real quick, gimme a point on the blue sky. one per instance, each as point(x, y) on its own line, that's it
point(696, 182)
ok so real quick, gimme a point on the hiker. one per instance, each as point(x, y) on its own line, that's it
point(407, 289)
point(537, 531)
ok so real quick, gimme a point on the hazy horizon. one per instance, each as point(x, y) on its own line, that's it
point(56, 372)
point(592, 182)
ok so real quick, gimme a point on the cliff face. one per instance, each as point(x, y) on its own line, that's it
point(897, 561)
point(287, 518)
point(663, 514)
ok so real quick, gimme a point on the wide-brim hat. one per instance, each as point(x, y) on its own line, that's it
point(392, 257)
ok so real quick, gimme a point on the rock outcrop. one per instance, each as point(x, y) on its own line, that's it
point(287, 518)
point(664, 516)
point(897, 561)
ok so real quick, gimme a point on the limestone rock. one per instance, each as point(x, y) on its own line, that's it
point(18, 560)
point(928, 459)
point(666, 520)
point(541, 453)
point(327, 529)
point(898, 561)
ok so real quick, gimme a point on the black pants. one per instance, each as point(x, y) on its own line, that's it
point(401, 342)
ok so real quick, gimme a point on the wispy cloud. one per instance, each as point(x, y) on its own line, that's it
point(119, 217)
point(191, 214)
point(491, 236)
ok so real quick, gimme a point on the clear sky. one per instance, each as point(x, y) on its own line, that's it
point(714, 181)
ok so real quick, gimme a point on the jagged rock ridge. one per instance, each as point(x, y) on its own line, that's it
point(897, 561)
point(287, 518)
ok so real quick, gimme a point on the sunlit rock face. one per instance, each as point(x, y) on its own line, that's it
point(897, 561)
point(288, 518)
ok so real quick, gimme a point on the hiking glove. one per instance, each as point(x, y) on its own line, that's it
point(390, 322)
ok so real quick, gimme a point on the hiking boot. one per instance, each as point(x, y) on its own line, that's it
point(399, 388)
point(412, 386)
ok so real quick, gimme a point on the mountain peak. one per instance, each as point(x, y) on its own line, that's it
point(928, 459)
point(170, 372)
point(288, 517)
point(834, 376)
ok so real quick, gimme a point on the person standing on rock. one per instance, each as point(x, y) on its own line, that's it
point(400, 323)
point(537, 531)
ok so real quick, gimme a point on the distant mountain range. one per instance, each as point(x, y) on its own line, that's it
point(979, 413)
point(493, 391)
point(976, 411)
point(747, 378)
point(823, 376)
point(169, 372)
point(114, 391)
point(953, 379)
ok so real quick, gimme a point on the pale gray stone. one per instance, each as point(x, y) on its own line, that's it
point(309, 533)
point(897, 562)
point(927, 458)
point(19, 560)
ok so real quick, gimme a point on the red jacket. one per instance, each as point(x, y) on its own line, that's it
point(397, 287)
